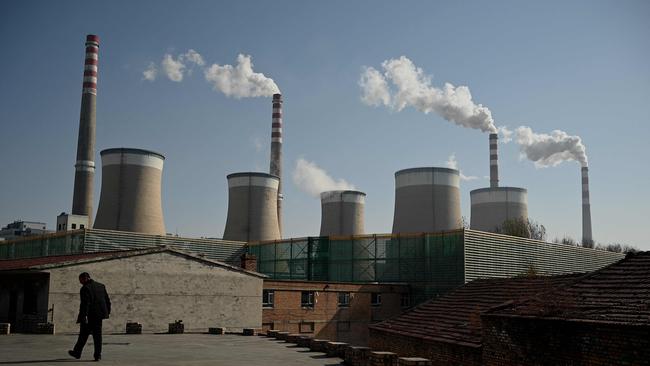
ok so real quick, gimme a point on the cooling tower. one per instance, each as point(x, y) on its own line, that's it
point(130, 198)
point(276, 151)
point(82, 199)
point(342, 213)
point(586, 208)
point(426, 200)
point(252, 207)
point(492, 206)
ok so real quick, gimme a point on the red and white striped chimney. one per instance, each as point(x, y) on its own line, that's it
point(276, 150)
point(82, 200)
point(586, 208)
point(494, 161)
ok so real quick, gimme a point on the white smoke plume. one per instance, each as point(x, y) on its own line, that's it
point(174, 68)
point(412, 87)
point(453, 164)
point(313, 180)
point(240, 81)
point(550, 150)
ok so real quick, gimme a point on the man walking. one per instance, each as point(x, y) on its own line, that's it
point(95, 306)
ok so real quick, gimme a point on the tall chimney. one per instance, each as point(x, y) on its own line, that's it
point(586, 208)
point(494, 161)
point(82, 201)
point(276, 150)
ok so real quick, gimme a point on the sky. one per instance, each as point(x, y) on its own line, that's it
point(578, 66)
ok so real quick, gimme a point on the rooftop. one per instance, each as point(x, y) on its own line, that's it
point(618, 293)
point(456, 317)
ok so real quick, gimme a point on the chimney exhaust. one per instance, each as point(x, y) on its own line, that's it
point(276, 151)
point(82, 200)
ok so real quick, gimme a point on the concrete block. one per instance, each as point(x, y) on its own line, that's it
point(293, 338)
point(414, 361)
point(133, 328)
point(379, 358)
point(357, 356)
point(5, 328)
point(282, 336)
point(217, 330)
point(336, 349)
point(304, 341)
point(177, 327)
point(45, 328)
point(272, 333)
point(318, 345)
point(250, 331)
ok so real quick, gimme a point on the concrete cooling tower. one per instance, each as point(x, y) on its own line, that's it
point(342, 213)
point(492, 206)
point(130, 198)
point(426, 200)
point(252, 207)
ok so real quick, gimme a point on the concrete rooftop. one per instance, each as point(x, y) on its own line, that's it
point(160, 349)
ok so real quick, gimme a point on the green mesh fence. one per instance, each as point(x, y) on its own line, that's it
point(53, 244)
point(431, 263)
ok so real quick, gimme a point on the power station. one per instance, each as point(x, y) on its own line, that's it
point(586, 208)
point(493, 206)
point(130, 198)
point(252, 207)
point(426, 200)
point(342, 213)
point(276, 151)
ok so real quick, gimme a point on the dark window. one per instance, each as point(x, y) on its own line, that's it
point(267, 298)
point(405, 300)
point(30, 298)
point(375, 299)
point(344, 299)
point(74, 226)
point(59, 227)
point(307, 299)
point(81, 226)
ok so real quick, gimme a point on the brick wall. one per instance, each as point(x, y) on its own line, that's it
point(533, 341)
point(440, 353)
point(330, 321)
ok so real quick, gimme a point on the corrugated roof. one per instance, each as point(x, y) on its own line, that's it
point(456, 317)
point(618, 293)
point(72, 259)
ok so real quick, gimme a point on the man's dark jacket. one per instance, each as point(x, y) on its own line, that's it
point(95, 304)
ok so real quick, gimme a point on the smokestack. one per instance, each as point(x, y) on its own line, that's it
point(252, 211)
point(494, 161)
point(82, 200)
point(130, 198)
point(586, 208)
point(276, 151)
point(426, 200)
point(342, 213)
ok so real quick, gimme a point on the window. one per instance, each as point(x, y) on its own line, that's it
point(59, 227)
point(267, 298)
point(307, 299)
point(405, 300)
point(81, 226)
point(344, 299)
point(375, 299)
point(74, 226)
point(306, 327)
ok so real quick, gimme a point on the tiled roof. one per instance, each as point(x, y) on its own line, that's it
point(456, 317)
point(618, 293)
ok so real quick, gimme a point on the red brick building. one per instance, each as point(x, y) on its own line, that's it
point(329, 310)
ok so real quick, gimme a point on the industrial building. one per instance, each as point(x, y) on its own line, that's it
point(153, 287)
point(20, 229)
point(342, 213)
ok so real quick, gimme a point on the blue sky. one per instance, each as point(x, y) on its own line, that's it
point(579, 66)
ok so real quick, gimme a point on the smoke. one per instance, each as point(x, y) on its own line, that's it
point(313, 180)
point(550, 150)
point(453, 164)
point(240, 81)
point(412, 87)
